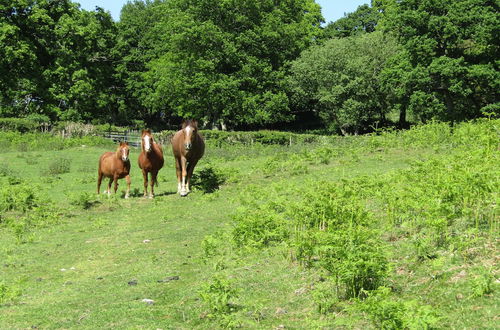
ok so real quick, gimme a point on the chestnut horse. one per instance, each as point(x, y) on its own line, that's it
point(150, 160)
point(115, 165)
point(188, 147)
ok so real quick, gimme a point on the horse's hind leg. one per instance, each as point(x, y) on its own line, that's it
point(145, 177)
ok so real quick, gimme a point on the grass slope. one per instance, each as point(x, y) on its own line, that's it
point(91, 268)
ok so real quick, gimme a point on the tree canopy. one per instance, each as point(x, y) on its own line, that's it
point(250, 64)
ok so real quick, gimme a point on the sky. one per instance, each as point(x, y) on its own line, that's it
point(331, 9)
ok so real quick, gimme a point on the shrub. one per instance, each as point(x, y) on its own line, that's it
point(217, 295)
point(22, 125)
point(58, 166)
point(84, 200)
point(257, 228)
point(355, 259)
point(387, 313)
point(332, 228)
point(482, 282)
point(20, 197)
point(208, 179)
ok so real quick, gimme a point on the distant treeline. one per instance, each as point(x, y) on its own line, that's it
point(245, 64)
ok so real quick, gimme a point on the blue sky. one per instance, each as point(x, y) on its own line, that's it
point(332, 9)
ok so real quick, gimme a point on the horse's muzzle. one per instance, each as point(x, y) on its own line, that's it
point(188, 146)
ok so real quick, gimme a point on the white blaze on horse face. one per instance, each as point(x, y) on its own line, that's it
point(124, 154)
point(147, 143)
point(187, 142)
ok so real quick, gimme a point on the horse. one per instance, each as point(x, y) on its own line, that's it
point(115, 165)
point(150, 160)
point(188, 147)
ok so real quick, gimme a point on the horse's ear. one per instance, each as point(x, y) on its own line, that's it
point(184, 123)
point(194, 122)
point(126, 143)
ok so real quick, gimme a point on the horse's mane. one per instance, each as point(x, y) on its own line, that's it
point(190, 122)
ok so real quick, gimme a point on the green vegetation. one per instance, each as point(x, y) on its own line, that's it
point(240, 64)
point(397, 229)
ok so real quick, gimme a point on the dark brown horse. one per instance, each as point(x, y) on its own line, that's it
point(115, 165)
point(188, 147)
point(150, 160)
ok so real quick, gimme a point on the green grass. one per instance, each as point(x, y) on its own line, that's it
point(73, 270)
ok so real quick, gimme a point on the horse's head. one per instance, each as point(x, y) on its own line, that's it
point(190, 129)
point(147, 140)
point(123, 151)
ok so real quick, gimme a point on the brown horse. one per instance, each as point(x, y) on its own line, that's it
point(115, 165)
point(188, 147)
point(150, 160)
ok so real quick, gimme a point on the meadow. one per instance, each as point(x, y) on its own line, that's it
point(397, 229)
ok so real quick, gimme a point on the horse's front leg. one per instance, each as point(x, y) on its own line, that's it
point(154, 174)
point(178, 171)
point(190, 170)
point(109, 186)
point(115, 180)
point(184, 191)
point(145, 177)
point(127, 178)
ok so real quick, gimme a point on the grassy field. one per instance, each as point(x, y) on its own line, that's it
point(398, 230)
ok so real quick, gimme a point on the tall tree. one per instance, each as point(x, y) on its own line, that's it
point(226, 59)
point(341, 81)
point(139, 41)
point(55, 60)
point(363, 20)
point(452, 48)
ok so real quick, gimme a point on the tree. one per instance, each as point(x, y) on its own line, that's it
point(452, 52)
point(341, 81)
point(139, 41)
point(363, 20)
point(55, 60)
point(225, 60)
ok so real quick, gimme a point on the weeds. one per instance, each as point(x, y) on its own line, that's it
point(208, 179)
point(58, 166)
point(387, 313)
point(218, 295)
point(84, 200)
point(9, 293)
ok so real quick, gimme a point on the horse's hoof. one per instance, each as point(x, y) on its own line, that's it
point(184, 193)
point(151, 196)
point(126, 196)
